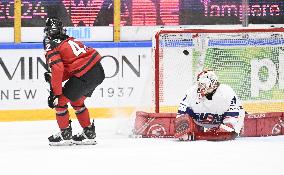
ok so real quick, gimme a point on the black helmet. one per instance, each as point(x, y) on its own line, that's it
point(54, 28)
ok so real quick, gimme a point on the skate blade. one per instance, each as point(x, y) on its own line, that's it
point(85, 142)
point(62, 143)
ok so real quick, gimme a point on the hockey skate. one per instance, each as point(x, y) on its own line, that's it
point(87, 137)
point(63, 138)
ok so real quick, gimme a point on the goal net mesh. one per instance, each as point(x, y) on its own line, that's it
point(251, 61)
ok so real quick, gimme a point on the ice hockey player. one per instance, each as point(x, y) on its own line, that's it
point(209, 111)
point(70, 60)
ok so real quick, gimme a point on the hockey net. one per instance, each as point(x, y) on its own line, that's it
point(251, 61)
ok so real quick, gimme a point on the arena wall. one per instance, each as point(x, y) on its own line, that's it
point(23, 93)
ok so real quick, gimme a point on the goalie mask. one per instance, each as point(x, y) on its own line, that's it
point(54, 28)
point(207, 82)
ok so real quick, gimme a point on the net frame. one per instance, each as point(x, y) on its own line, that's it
point(156, 49)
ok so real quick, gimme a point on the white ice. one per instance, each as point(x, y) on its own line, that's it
point(24, 150)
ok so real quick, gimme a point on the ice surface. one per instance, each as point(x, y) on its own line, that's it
point(24, 150)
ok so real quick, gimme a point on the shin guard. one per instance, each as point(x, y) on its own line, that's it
point(83, 117)
point(81, 112)
point(62, 117)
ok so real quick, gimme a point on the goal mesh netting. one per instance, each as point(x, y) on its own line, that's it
point(251, 61)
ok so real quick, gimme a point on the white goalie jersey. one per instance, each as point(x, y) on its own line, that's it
point(223, 108)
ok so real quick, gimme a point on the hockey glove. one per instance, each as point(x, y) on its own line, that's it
point(52, 101)
point(47, 76)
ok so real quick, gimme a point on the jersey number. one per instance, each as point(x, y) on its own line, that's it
point(77, 50)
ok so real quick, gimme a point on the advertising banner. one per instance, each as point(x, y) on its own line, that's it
point(256, 74)
point(144, 12)
point(23, 85)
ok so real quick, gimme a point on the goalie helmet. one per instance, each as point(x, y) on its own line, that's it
point(207, 82)
point(54, 28)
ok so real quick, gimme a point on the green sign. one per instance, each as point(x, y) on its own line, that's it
point(255, 73)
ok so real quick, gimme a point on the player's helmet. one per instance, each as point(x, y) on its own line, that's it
point(54, 28)
point(207, 82)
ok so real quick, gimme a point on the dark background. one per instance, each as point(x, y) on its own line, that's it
point(190, 12)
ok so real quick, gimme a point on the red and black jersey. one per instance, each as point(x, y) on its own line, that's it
point(68, 58)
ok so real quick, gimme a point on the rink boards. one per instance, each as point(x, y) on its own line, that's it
point(23, 91)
